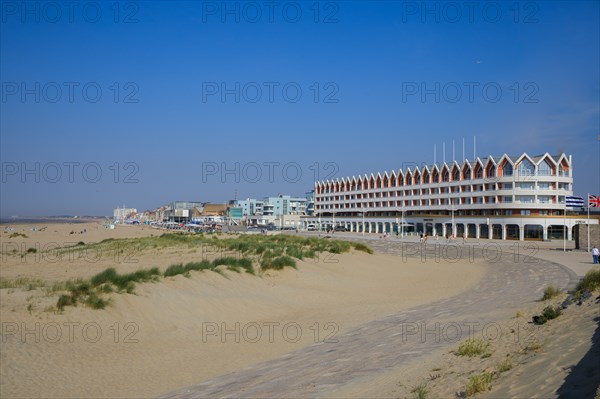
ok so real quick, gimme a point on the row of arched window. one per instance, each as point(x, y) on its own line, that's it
point(524, 167)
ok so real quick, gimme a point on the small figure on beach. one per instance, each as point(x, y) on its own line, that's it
point(595, 254)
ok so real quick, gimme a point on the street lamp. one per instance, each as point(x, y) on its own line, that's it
point(402, 220)
point(363, 211)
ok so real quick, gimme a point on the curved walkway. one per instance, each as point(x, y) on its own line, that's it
point(380, 345)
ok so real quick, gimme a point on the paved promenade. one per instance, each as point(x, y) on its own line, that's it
point(512, 280)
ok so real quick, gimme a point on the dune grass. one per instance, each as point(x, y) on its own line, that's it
point(480, 383)
point(549, 313)
point(277, 262)
point(550, 292)
point(474, 347)
point(269, 252)
point(505, 364)
point(590, 282)
point(90, 291)
point(420, 391)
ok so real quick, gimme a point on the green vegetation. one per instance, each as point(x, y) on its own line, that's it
point(23, 282)
point(420, 392)
point(549, 313)
point(590, 282)
point(87, 291)
point(243, 245)
point(550, 292)
point(267, 251)
point(479, 383)
point(277, 263)
point(505, 364)
point(17, 235)
point(359, 246)
point(474, 347)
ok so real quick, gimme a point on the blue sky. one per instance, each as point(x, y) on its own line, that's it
point(137, 105)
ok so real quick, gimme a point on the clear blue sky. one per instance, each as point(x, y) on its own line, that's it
point(361, 68)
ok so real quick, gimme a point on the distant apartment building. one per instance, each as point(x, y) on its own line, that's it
point(120, 215)
point(282, 210)
point(182, 211)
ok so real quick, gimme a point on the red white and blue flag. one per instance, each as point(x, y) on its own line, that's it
point(594, 201)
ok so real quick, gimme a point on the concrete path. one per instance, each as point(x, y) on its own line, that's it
point(366, 351)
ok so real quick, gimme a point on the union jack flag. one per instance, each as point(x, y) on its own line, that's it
point(594, 201)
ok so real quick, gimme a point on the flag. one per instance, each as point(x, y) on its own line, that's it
point(574, 202)
point(594, 201)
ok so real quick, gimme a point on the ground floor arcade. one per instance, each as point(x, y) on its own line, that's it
point(507, 228)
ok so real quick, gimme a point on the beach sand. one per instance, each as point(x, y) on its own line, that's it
point(181, 331)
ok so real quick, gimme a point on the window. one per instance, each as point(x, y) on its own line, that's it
point(507, 186)
point(543, 199)
point(544, 169)
point(526, 199)
point(507, 169)
point(455, 175)
point(526, 168)
point(544, 186)
point(525, 212)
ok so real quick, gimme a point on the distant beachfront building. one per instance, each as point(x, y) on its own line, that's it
point(122, 214)
point(283, 210)
point(503, 197)
point(182, 211)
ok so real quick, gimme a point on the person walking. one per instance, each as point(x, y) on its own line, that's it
point(595, 254)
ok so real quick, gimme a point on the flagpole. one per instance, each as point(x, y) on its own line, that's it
point(588, 222)
point(565, 227)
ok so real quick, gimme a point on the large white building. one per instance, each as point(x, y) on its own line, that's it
point(503, 197)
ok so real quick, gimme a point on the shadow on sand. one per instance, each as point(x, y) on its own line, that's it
point(584, 379)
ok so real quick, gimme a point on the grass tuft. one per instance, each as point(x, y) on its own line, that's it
point(550, 292)
point(479, 383)
point(505, 364)
point(590, 282)
point(277, 263)
point(359, 246)
point(420, 391)
point(474, 347)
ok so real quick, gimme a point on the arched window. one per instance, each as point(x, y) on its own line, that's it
point(544, 169)
point(467, 173)
point(526, 168)
point(507, 169)
point(455, 174)
point(445, 175)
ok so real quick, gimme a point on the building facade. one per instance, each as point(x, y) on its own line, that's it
point(503, 197)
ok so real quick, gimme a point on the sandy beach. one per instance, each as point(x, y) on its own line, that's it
point(179, 331)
